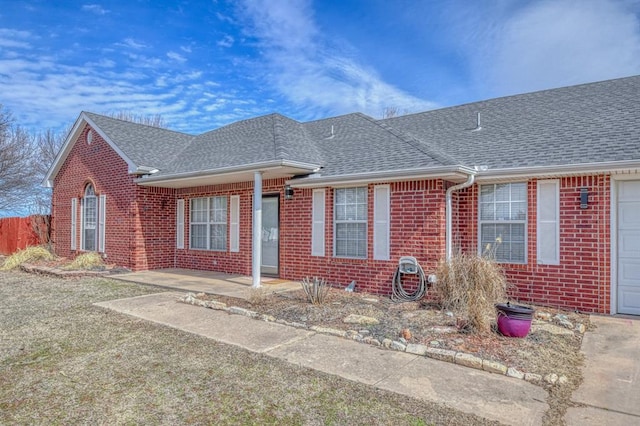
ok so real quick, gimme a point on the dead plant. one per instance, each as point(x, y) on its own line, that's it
point(471, 285)
point(27, 255)
point(316, 289)
point(258, 296)
point(86, 261)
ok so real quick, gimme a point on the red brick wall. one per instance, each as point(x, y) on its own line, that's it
point(138, 233)
point(582, 279)
point(141, 230)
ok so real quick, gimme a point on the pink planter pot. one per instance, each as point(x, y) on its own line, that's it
point(514, 320)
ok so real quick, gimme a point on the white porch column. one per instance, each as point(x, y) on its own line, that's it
point(257, 229)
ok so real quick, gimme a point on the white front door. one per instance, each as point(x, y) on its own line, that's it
point(628, 250)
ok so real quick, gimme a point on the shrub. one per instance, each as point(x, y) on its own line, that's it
point(89, 260)
point(29, 254)
point(470, 286)
point(316, 289)
point(258, 296)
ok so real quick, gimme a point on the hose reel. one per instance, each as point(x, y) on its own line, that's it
point(408, 265)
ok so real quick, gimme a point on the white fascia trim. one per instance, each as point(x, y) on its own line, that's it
point(456, 173)
point(628, 166)
point(253, 167)
point(70, 141)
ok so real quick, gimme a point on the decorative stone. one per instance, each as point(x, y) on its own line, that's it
point(532, 377)
point(434, 344)
point(416, 349)
point(580, 328)
point(551, 378)
point(370, 299)
point(242, 311)
point(544, 316)
point(563, 380)
point(327, 330)
point(566, 324)
point(550, 328)
point(387, 343)
point(214, 304)
point(441, 354)
point(403, 340)
point(561, 317)
point(494, 367)
point(360, 319)
point(512, 372)
point(468, 360)
point(268, 318)
point(201, 294)
point(371, 341)
point(364, 332)
point(398, 346)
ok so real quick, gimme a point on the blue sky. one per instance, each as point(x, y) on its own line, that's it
point(203, 64)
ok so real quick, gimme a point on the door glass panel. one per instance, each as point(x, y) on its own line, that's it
point(270, 235)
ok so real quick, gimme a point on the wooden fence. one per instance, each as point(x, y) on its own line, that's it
point(17, 233)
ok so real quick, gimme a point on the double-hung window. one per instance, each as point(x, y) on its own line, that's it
point(208, 223)
point(503, 221)
point(350, 222)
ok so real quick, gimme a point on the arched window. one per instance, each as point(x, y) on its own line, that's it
point(89, 220)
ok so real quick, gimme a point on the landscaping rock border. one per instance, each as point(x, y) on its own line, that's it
point(64, 273)
point(454, 357)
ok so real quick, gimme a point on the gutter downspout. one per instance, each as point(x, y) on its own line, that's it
point(448, 224)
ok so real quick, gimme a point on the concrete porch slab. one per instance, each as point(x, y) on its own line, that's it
point(189, 280)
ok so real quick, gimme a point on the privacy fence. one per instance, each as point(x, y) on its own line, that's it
point(17, 233)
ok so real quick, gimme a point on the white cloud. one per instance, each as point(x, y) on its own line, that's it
point(129, 42)
point(176, 57)
point(557, 43)
point(94, 8)
point(10, 38)
point(226, 41)
point(311, 71)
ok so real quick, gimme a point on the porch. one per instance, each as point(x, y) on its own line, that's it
point(189, 280)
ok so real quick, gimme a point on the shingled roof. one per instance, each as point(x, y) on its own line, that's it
point(589, 124)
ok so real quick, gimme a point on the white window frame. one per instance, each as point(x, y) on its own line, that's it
point(510, 203)
point(349, 219)
point(215, 217)
point(548, 223)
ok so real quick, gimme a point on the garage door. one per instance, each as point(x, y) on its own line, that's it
point(628, 247)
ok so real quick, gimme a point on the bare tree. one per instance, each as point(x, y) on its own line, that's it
point(46, 147)
point(17, 174)
point(149, 120)
point(390, 112)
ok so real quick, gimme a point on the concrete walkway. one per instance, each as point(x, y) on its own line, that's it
point(492, 396)
point(610, 393)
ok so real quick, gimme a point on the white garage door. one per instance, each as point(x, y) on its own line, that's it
point(629, 247)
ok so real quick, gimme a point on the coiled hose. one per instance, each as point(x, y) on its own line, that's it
point(400, 294)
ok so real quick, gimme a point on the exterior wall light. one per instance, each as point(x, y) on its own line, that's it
point(288, 192)
point(584, 198)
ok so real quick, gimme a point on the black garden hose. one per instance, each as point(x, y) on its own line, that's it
point(399, 293)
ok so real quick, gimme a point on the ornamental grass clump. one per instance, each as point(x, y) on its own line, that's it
point(86, 261)
point(29, 254)
point(470, 286)
point(316, 289)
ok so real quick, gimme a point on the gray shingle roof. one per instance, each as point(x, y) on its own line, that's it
point(144, 145)
point(590, 123)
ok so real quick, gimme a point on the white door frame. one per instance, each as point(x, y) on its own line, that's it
point(613, 214)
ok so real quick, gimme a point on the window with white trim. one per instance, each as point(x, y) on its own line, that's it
point(503, 221)
point(350, 222)
point(89, 219)
point(208, 223)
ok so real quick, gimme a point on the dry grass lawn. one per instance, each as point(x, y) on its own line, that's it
point(65, 361)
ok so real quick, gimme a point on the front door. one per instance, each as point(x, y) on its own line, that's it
point(628, 250)
point(270, 235)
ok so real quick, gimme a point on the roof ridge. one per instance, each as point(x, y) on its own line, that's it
point(128, 122)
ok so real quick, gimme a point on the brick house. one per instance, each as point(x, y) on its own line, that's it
point(554, 175)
